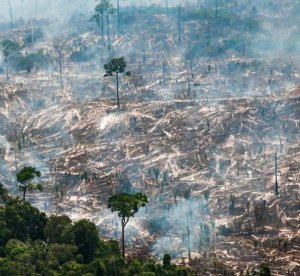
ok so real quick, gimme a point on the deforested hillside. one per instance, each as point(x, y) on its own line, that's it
point(207, 125)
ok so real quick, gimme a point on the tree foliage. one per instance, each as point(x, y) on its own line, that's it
point(8, 47)
point(102, 9)
point(33, 244)
point(115, 66)
point(85, 236)
point(3, 194)
point(127, 205)
point(54, 228)
point(19, 220)
point(25, 177)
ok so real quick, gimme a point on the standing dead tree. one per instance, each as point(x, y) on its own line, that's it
point(59, 47)
point(179, 9)
point(10, 13)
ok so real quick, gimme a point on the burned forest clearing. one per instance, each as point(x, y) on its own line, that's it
point(208, 126)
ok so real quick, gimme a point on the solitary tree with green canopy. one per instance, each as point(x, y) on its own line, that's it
point(25, 177)
point(127, 205)
point(115, 67)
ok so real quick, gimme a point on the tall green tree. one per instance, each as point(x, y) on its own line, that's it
point(104, 10)
point(25, 177)
point(115, 67)
point(110, 10)
point(127, 205)
point(98, 16)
